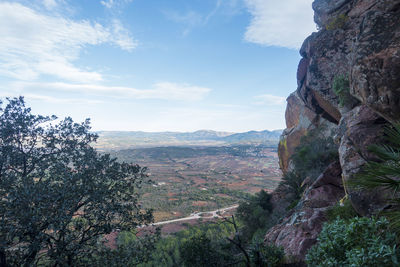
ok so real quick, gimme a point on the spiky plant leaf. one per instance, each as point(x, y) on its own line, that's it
point(385, 174)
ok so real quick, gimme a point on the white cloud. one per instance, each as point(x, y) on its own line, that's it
point(34, 44)
point(192, 19)
point(114, 3)
point(49, 4)
point(58, 100)
point(162, 90)
point(122, 36)
point(107, 4)
point(270, 100)
point(284, 23)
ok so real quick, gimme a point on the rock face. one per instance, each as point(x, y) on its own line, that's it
point(299, 230)
point(358, 40)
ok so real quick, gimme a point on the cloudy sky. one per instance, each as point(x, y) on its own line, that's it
point(155, 65)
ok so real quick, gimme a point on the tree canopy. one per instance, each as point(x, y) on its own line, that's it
point(58, 195)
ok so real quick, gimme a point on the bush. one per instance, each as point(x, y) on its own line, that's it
point(314, 153)
point(292, 184)
point(345, 211)
point(267, 255)
point(341, 87)
point(337, 23)
point(199, 251)
point(355, 242)
point(254, 214)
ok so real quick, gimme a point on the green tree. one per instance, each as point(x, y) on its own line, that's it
point(58, 196)
point(254, 214)
point(198, 251)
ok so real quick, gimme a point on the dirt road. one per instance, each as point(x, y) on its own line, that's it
point(195, 216)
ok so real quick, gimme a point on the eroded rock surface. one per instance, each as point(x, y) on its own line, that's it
point(359, 40)
point(299, 230)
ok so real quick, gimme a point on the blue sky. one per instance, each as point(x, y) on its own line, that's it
point(155, 65)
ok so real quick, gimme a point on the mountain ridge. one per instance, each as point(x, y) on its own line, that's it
point(115, 140)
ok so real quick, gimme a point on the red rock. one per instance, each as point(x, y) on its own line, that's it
point(363, 128)
point(299, 231)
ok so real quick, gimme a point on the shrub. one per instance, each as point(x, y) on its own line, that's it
point(384, 174)
point(311, 157)
point(341, 87)
point(345, 211)
point(314, 153)
point(254, 214)
point(337, 23)
point(293, 184)
point(268, 255)
point(199, 251)
point(355, 242)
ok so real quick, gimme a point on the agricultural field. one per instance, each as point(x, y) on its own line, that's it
point(192, 179)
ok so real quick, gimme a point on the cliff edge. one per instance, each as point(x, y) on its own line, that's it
point(349, 89)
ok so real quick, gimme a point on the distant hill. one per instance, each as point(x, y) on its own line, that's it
point(115, 140)
point(253, 136)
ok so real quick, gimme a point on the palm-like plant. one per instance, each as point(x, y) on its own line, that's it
point(385, 173)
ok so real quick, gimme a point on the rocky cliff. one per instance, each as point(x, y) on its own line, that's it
point(357, 45)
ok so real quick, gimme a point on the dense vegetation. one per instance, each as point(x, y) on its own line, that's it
point(58, 196)
point(355, 242)
point(214, 244)
point(311, 157)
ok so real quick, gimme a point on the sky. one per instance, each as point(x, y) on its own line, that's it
point(155, 65)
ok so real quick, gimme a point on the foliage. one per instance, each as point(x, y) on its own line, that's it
point(341, 87)
point(198, 250)
point(254, 214)
point(337, 23)
point(292, 183)
point(267, 255)
point(314, 153)
point(190, 245)
point(385, 173)
point(343, 211)
point(131, 251)
point(58, 196)
point(356, 242)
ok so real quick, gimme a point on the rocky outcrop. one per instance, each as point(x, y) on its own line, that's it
point(299, 119)
point(299, 230)
point(359, 40)
point(375, 73)
point(363, 127)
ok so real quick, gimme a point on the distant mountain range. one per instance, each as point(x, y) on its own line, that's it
point(114, 140)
